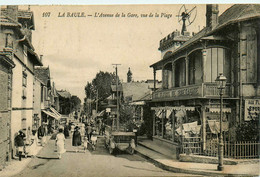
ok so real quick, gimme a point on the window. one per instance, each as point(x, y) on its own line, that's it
point(24, 79)
point(23, 125)
point(9, 41)
point(180, 73)
point(195, 68)
point(218, 61)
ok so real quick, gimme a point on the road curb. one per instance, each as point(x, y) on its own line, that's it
point(181, 170)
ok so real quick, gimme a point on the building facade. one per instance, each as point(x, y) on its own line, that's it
point(6, 65)
point(188, 103)
point(16, 31)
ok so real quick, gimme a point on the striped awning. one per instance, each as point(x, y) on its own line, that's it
point(49, 113)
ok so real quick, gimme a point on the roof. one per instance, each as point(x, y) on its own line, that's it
point(22, 15)
point(145, 97)
point(119, 87)
point(238, 12)
point(43, 74)
point(134, 90)
point(234, 14)
point(64, 93)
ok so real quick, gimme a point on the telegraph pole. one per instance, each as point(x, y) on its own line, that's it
point(97, 102)
point(117, 101)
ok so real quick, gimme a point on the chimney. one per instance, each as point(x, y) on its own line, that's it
point(212, 15)
point(12, 12)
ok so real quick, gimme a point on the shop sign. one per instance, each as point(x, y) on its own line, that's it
point(252, 108)
point(179, 93)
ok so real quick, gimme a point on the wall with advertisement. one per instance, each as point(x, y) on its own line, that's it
point(252, 109)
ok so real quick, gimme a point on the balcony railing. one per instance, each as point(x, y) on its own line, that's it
point(202, 90)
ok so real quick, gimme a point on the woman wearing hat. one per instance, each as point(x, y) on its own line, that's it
point(60, 141)
point(76, 138)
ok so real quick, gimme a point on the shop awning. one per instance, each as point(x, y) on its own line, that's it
point(215, 128)
point(137, 103)
point(100, 114)
point(217, 110)
point(55, 112)
point(49, 113)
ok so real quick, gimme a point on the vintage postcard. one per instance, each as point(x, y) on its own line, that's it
point(129, 90)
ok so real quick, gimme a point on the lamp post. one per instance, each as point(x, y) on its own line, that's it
point(221, 83)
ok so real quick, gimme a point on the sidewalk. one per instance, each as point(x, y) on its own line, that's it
point(15, 166)
point(173, 165)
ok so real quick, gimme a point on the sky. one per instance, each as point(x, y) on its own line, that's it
point(77, 48)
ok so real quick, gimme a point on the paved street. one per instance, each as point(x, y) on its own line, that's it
point(91, 163)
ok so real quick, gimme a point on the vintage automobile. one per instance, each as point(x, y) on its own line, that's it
point(123, 141)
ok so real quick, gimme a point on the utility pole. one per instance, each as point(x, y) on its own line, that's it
point(97, 102)
point(117, 101)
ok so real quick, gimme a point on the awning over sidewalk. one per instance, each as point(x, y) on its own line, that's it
point(52, 114)
point(55, 112)
point(215, 128)
point(137, 103)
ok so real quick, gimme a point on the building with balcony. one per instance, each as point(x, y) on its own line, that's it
point(188, 103)
point(16, 27)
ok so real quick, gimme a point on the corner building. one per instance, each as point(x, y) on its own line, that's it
point(187, 107)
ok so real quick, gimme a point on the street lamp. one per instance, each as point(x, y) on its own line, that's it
point(221, 83)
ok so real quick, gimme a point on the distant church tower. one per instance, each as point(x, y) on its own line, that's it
point(129, 75)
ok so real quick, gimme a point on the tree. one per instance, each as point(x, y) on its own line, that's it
point(248, 130)
point(101, 84)
point(75, 103)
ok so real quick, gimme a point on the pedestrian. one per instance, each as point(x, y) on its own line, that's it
point(85, 144)
point(19, 143)
point(60, 142)
point(76, 138)
point(89, 130)
point(28, 142)
point(42, 134)
point(66, 131)
point(82, 130)
point(103, 128)
point(34, 144)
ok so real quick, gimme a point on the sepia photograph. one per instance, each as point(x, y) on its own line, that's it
point(129, 90)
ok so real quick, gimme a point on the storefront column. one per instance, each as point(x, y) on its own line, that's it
point(187, 70)
point(153, 115)
point(204, 59)
point(173, 74)
point(163, 116)
point(203, 118)
point(173, 126)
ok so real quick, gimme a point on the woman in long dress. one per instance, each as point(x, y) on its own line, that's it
point(76, 138)
point(60, 141)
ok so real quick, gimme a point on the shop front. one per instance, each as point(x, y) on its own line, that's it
point(191, 126)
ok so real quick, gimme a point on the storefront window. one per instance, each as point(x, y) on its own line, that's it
point(176, 123)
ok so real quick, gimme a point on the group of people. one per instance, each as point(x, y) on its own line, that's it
point(80, 135)
point(25, 142)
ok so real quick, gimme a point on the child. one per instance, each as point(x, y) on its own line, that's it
point(85, 144)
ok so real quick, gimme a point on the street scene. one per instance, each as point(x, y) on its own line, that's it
point(130, 90)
